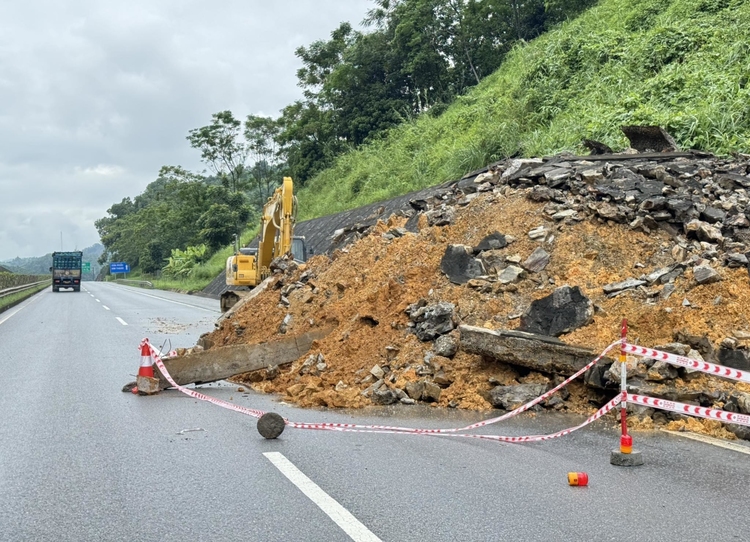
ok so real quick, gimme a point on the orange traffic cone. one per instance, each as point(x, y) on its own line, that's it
point(147, 364)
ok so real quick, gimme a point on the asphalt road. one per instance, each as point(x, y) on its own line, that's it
point(82, 461)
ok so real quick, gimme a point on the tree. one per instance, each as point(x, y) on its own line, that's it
point(222, 149)
point(262, 134)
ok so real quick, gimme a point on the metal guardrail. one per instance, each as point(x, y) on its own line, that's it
point(16, 289)
point(139, 283)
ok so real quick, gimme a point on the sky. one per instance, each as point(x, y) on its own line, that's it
point(97, 95)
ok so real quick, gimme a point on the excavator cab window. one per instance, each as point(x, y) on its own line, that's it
point(299, 250)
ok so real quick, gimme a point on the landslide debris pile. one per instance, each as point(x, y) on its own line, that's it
point(566, 247)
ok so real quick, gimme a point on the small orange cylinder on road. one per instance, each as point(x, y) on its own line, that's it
point(578, 479)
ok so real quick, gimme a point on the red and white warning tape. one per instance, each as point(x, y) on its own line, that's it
point(702, 366)
point(357, 428)
point(691, 410)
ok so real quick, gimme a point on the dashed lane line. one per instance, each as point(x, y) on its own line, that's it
point(123, 322)
point(106, 308)
point(340, 515)
point(176, 302)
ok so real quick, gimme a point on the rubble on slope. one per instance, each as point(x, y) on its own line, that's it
point(662, 241)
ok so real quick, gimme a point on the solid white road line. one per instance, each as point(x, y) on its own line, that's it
point(123, 322)
point(19, 309)
point(340, 515)
point(711, 440)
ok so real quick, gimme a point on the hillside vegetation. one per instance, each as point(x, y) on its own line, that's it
point(683, 65)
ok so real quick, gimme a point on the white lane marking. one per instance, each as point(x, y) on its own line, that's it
point(98, 301)
point(123, 322)
point(711, 440)
point(340, 515)
point(176, 302)
point(106, 308)
point(19, 309)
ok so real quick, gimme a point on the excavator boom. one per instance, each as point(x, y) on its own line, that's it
point(249, 267)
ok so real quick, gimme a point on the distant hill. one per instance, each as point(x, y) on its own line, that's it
point(40, 265)
point(4, 270)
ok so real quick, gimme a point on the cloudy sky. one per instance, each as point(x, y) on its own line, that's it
point(97, 95)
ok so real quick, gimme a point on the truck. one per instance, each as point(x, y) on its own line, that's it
point(248, 267)
point(66, 270)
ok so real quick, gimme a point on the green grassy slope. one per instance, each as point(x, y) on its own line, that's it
point(680, 64)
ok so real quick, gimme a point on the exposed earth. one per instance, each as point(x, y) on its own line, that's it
point(364, 290)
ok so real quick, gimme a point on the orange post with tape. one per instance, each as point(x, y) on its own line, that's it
point(626, 441)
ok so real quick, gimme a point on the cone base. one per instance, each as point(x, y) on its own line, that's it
point(619, 459)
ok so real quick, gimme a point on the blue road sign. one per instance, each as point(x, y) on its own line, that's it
point(119, 267)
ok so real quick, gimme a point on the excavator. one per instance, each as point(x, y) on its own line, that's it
point(248, 267)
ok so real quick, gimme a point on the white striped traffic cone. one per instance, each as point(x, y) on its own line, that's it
point(147, 364)
point(145, 380)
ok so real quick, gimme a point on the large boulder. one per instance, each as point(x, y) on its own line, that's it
point(563, 311)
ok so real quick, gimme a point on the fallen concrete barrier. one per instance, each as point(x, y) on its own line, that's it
point(538, 352)
point(220, 363)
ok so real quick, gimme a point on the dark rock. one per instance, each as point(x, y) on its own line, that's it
point(384, 396)
point(737, 359)
point(446, 346)
point(713, 215)
point(704, 274)
point(493, 241)
point(442, 380)
point(624, 285)
point(440, 217)
point(431, 393)
point(701, 343)
point(660, 371)
point(511, 274)
point(596, 376)
point(415, 389)
point(565, 310)
point(536, 261)
point(740, 431)
point(510, 397)
point(459, 264)
point(596, 147)
point(433, 320)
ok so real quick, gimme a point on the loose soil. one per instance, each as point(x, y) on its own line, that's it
point(363, 290)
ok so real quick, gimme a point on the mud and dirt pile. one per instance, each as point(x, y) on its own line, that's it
point(594, 238)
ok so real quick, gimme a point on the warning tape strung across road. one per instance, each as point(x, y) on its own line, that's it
point(692, 410)
point(500, 438)
point(511, 414)
point(702, 366)
point(356, 428)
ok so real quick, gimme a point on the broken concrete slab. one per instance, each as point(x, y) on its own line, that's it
point(537, 352)
point(221, 363)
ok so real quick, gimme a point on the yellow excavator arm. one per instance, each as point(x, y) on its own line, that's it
point(249, 267)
